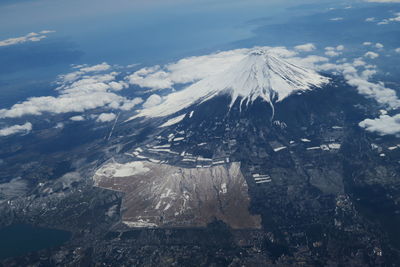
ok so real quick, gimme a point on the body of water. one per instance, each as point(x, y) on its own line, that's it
point(19, 239)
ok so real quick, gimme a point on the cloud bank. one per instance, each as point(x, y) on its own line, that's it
point(305, 47)
point(334, 51)
point(384, 1)
point(31, 37)
point(79, 91)
point(152, 101)
point(384, 125)
point(98, 86)
point(356, 73)
point(77, 118)
point(192, 69)
point(396, 18)
point(16, 129)
point(106, 117)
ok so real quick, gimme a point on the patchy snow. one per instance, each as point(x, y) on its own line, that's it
point(263, 181)
point(224, 188)
point(189, 160)
point(324, 147)
point(200, 158)
point(140, 224)
point(154, 160)
point(261, 178)
point(314, 148)
point(122, 170)
point(279, 148)
point(160, 149)
point(170, 137)
point(334, 146)
point(337, 127)
point(158, 205)
point(173, 121)
point(163, 146)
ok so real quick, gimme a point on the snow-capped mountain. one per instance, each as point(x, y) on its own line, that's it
point(261, 74)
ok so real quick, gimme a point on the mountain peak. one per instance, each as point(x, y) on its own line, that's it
point(261, 74)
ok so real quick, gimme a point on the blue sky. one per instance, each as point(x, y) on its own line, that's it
point(107, 30)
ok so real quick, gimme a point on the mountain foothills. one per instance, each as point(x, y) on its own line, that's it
point(263, 163)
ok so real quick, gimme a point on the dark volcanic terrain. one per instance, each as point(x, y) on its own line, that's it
point(327, 192)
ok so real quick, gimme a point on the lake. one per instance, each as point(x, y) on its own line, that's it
point(19, 239)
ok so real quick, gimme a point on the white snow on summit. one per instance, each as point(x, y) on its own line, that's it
point(261, 73)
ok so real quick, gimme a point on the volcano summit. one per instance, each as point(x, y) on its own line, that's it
point(260, 74)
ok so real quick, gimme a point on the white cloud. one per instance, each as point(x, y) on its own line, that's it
point(367, 43)
point(16, 129)
point(106, 117)
point(59, 125)
point(396, 18)
point(77, 118)
point(77, 92)
point(360, 80)
point(340, 47)
point(152, 101)
point(397, 50)
point(30, 37)
point(186, 70)
point(367, 74)
point(336, 19)
point(305, 47)
point(359, 62)
point(372, 19)
point(83, 70)
point(357, 74)
point(384, 125)
point(384, 1)
point(371, 55)
point(152, 77)
point(331, 51)
point(383, 22)
point(96, 68)
point(378, 91)
point(118, 86)
point(379, 45)
point(309, 61)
